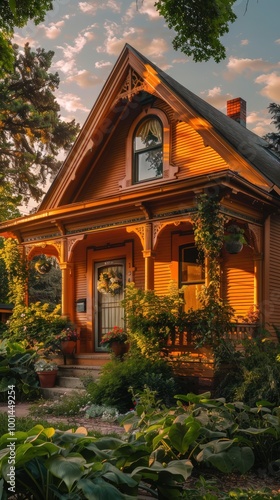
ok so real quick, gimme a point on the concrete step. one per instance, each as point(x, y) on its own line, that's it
point(71, 382)
point(56, 392)
point(80, 371)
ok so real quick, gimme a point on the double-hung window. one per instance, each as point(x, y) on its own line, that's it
point(147, 150)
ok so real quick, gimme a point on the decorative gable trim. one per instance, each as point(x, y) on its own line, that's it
point(133, 85)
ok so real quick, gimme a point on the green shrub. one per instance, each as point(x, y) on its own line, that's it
point(252, 374)
point(112, 388)
point(17, 371)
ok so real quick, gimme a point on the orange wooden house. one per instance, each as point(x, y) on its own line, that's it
point(123, 201)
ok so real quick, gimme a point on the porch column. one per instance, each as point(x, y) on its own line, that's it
point(257, 279)
point(148, 255)
point(67, 292)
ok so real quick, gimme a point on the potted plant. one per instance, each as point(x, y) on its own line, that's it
point(234, 239)
point(46, 371)
point(66, 340)
point(116, 340)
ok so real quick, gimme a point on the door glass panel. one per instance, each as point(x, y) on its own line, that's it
point(109, 285)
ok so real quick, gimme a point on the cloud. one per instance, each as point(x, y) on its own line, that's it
point(53, 30)
point(277, 41)
point(85, 79)
point(102, 64)
point(216, 98)
point(180, 60)
point(71, 102)
point(146, 7)
point(93, 7)
point(244, 42)
point(240, 66)
point(271, 87)
point(22, 40)
point(138, 37)
point(259, 122)
point(66, 66)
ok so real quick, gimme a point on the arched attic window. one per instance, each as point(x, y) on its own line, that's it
point(153, 126)
point(148, 150)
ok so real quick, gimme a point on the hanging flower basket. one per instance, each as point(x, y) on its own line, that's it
point(234, 239)
point(110, 282)
point(43, 266)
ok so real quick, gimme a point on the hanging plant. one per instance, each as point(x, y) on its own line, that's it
point(234, 239)
point(110, 282)
point(43, 266)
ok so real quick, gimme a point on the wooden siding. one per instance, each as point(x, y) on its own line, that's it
point(163, 262)
point(190, 154)
point(274, 271)
point(187, 150)
point(238, 280)
point(110, 169)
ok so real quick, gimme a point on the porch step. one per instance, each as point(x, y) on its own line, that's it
point(56, 392)
point(79, 371)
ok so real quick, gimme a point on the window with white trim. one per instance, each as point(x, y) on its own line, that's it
point(147, 150)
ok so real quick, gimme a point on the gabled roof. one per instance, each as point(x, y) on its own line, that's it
point(212, 123)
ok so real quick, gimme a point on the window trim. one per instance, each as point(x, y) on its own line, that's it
point(138, 152)
point(168, 171)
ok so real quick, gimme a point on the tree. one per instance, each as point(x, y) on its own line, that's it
point(16, 13)
point(199, 24)
point(273, 138)
point(31, 130)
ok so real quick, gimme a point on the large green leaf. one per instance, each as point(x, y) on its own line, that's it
point(69, 469)
point(183, 435)
point(98, 489)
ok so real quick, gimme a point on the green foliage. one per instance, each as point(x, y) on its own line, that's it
point(65, 406)
point(38, 325)
point(16, 269)
point(31, 130)
point(112, 388)
point(250, 375)
point(199, 26)
point(150, 318)
point(45, 288)
point(16, 13)
point(17, 369)
point(209, 432)
point(273, 138)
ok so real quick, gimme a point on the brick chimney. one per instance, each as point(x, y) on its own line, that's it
point(236, 109)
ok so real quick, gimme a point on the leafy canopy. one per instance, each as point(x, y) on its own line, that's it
point(273, 138)
point(31, 130)
point(16, 13)
point(199, 24)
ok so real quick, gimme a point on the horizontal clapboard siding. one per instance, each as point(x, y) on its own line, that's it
point(162, 263)
point(190, 154)
point(274, 271)
point(238, 281)
point(106, 175)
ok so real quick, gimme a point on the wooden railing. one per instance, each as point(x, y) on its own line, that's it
point(182, 341)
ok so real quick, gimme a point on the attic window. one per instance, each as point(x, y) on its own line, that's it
point(147, 150)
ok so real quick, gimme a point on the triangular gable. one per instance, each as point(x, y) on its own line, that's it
point(132, 74)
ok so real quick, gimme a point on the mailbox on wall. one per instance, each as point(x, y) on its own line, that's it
point(81, 305)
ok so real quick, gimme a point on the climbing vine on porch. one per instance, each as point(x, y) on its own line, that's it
point(213, 320)
point(209, 239)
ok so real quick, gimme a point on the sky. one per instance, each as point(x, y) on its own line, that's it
point(88, 36)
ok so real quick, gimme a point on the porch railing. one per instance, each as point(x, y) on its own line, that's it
point(182, 341)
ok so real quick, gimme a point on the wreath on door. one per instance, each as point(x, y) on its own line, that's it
point(110, 282)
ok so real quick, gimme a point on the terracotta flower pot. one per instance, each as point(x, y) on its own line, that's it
point(47, 378)
point(119, 348)
point(68, 346)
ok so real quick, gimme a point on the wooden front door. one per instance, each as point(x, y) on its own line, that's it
point(109, 279)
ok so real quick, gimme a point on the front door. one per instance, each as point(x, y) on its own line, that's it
point(109, 279)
